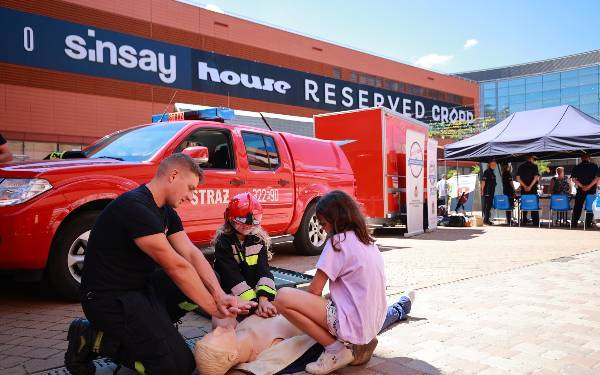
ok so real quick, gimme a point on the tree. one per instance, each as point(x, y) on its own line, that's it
point(451, 173)
point(543, 166)
point(476, 169)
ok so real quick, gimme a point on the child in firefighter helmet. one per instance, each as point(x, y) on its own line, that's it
point(242, 254)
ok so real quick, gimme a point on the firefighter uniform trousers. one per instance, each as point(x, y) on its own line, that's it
point(143, 322)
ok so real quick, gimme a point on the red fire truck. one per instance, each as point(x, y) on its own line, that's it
point(374, 140)
point(47, 208)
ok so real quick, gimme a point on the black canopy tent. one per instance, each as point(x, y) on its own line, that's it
point(549, 133)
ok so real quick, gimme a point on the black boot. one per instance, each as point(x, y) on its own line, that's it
point(86, 344)
point(79, 355)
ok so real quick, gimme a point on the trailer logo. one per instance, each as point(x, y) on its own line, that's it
point(415, 159)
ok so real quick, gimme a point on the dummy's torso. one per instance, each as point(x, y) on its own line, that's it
point(256, 334)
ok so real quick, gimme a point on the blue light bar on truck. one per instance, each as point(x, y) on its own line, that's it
point(213, 114)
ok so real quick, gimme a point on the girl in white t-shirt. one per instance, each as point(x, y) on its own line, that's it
point(353, 265)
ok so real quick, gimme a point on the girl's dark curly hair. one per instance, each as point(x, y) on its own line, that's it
point(342, 212)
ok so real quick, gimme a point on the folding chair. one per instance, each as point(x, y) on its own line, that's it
point(588, 206)
point(530, 202)
point(501, 203)
point(559, 203)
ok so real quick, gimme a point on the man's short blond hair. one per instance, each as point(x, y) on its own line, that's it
point(214, 361)
point(180, 161)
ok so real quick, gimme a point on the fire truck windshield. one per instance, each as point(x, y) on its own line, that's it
point(138, 144)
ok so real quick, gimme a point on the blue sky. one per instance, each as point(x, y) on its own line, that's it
point(445, 36)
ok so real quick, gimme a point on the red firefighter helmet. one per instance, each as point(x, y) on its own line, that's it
point(245, 209)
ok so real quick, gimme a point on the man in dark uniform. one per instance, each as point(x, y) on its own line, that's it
point(584, 176)
point(488, 186)
point(508, 189)
point(528, 176)
point(5, 154)
point(141, 274)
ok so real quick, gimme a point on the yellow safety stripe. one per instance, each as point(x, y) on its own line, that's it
point(266, 289)
point(187, 306)
point(248, 295)
point(252, 260)
point(139, 368)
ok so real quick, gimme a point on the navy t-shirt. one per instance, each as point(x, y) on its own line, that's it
point(490, 181)
point(113, 261)
point(527, 171)
point(585, 172)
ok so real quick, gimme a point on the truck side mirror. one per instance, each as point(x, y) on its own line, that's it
point(198, 153)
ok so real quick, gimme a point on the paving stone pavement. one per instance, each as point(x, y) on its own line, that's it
point(489, 300)
point(539, 319)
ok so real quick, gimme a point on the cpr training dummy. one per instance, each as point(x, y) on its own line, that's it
point(274, 341)
point(269, 346)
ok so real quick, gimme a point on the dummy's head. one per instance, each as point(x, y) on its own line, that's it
point(216, 353)
point(179, 175)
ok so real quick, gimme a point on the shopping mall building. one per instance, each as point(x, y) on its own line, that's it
point(573, 80)
point(570, 80)
point(73, 71)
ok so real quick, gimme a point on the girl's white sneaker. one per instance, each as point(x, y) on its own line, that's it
point(328, 362)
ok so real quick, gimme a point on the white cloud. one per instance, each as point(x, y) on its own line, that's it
point(432, 59)
point(214, 8)
point(470, 43)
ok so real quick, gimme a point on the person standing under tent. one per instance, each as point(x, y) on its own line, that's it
point(528, 177)
point(585, 177)
point(508, 189)
point(488, 186)
point(442, 190)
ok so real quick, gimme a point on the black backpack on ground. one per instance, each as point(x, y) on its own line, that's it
point(456, 221)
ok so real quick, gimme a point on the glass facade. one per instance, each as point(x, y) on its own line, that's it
point(577, 87)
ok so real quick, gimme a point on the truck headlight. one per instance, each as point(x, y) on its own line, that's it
point(18, 190)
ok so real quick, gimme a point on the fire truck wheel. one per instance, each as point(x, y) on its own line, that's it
point(66, 258)
point(310, 238)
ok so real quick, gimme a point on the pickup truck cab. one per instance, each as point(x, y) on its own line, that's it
point(47, 208)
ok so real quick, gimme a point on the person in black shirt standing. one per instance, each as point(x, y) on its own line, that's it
point(5, 154)
point(141, 274)
point(528, 176)
point(584, 176)
point(488, 186)
point(508, 189)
